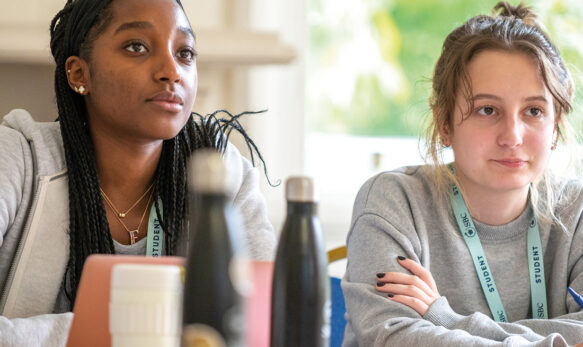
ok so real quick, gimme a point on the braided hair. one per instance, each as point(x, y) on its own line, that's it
point(73, 31)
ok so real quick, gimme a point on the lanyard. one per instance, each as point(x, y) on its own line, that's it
point(535, 262)
point(155, 234)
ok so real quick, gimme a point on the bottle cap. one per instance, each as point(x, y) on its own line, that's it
point(146, 276)
point(300, 189)
point(207, 172)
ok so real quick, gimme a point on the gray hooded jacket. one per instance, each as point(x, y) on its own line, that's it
point(34, 221)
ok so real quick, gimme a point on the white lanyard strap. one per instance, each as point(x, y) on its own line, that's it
point(535, 262)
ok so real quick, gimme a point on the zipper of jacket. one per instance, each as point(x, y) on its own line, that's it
point(25, 231)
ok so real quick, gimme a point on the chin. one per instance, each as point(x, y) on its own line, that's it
point(169, 135)
point(517, 183)
point(169, 130)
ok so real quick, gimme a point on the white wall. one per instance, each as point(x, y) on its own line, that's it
point(280, 89)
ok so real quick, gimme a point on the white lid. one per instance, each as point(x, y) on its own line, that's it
point(207, 172)
point(145, 276)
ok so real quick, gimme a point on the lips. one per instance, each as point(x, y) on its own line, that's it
point(511, 162)
point(167, 101)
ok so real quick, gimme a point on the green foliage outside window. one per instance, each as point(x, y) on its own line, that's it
point(370, 61)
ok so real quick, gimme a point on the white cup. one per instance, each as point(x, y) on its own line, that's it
point(145, 306)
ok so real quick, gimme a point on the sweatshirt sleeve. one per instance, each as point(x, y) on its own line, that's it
point(247, 198)
point(384, 227)
point(15, 190)
point(568, 325)
point(49, 330)
point(377, 321)
point(13, 157)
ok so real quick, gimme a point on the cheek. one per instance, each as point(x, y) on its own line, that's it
point(113, 88)
point(472, 140)
point(191, 87)
point(542, 140)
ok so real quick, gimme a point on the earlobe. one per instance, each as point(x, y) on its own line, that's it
point(444, 136)
point(444, 133)
point(445, 142)
point(77, 70)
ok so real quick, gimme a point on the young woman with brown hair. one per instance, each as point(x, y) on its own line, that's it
point(480, 251)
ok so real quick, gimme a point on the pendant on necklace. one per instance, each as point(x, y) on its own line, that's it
point(132, 236)
point(121, 215)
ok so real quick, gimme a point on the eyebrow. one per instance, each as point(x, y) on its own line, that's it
point(133, 25)
point(147, 25)
point(496, 97)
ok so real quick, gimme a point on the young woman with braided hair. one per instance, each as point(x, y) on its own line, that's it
point(478, 252)
point(113, 167)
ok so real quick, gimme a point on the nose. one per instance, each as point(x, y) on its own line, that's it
point(167, 69)
point(511, 131)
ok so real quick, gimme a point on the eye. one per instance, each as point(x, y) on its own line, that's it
point(136, 47)
point(187, 54)
point(486, 111)
point(534, 112)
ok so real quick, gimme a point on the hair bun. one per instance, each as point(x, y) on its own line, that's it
point(525, 13)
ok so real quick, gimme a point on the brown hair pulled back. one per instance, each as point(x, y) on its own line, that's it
point(511, 29)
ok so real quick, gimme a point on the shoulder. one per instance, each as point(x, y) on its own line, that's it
point(401, 204)
point(400, 199)
point(568, 196)
point(398, 186)
point(43, 138)
point(237, 167)
point(567, 188)
point(14, 146)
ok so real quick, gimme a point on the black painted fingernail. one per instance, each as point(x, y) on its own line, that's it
point(401, 258)
point(390, 295)
point(380, 284)
point(380, 275)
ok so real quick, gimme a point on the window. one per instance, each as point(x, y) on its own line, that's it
point(368, 70)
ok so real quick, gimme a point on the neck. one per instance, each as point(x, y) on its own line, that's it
point(492, 206)
point(125, 169)
point(495, 208)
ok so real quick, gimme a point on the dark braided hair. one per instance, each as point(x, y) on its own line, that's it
point(73, 31)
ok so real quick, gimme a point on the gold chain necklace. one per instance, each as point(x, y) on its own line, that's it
point(123, 214)
point(132, 233)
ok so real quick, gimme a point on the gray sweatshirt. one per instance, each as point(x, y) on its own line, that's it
point(399, 213)
point(34, 201)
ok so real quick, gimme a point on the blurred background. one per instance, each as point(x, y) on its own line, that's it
point(345, 82)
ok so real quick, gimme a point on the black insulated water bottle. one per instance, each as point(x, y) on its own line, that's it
point(212, 306)
point(300, 306)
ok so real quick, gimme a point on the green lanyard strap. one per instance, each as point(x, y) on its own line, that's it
point(155, 242)
point(535, 262)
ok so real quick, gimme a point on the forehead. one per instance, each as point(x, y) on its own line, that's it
point(160, 13)
point(508, 73)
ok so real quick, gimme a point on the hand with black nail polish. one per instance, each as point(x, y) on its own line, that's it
point(416, 290)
